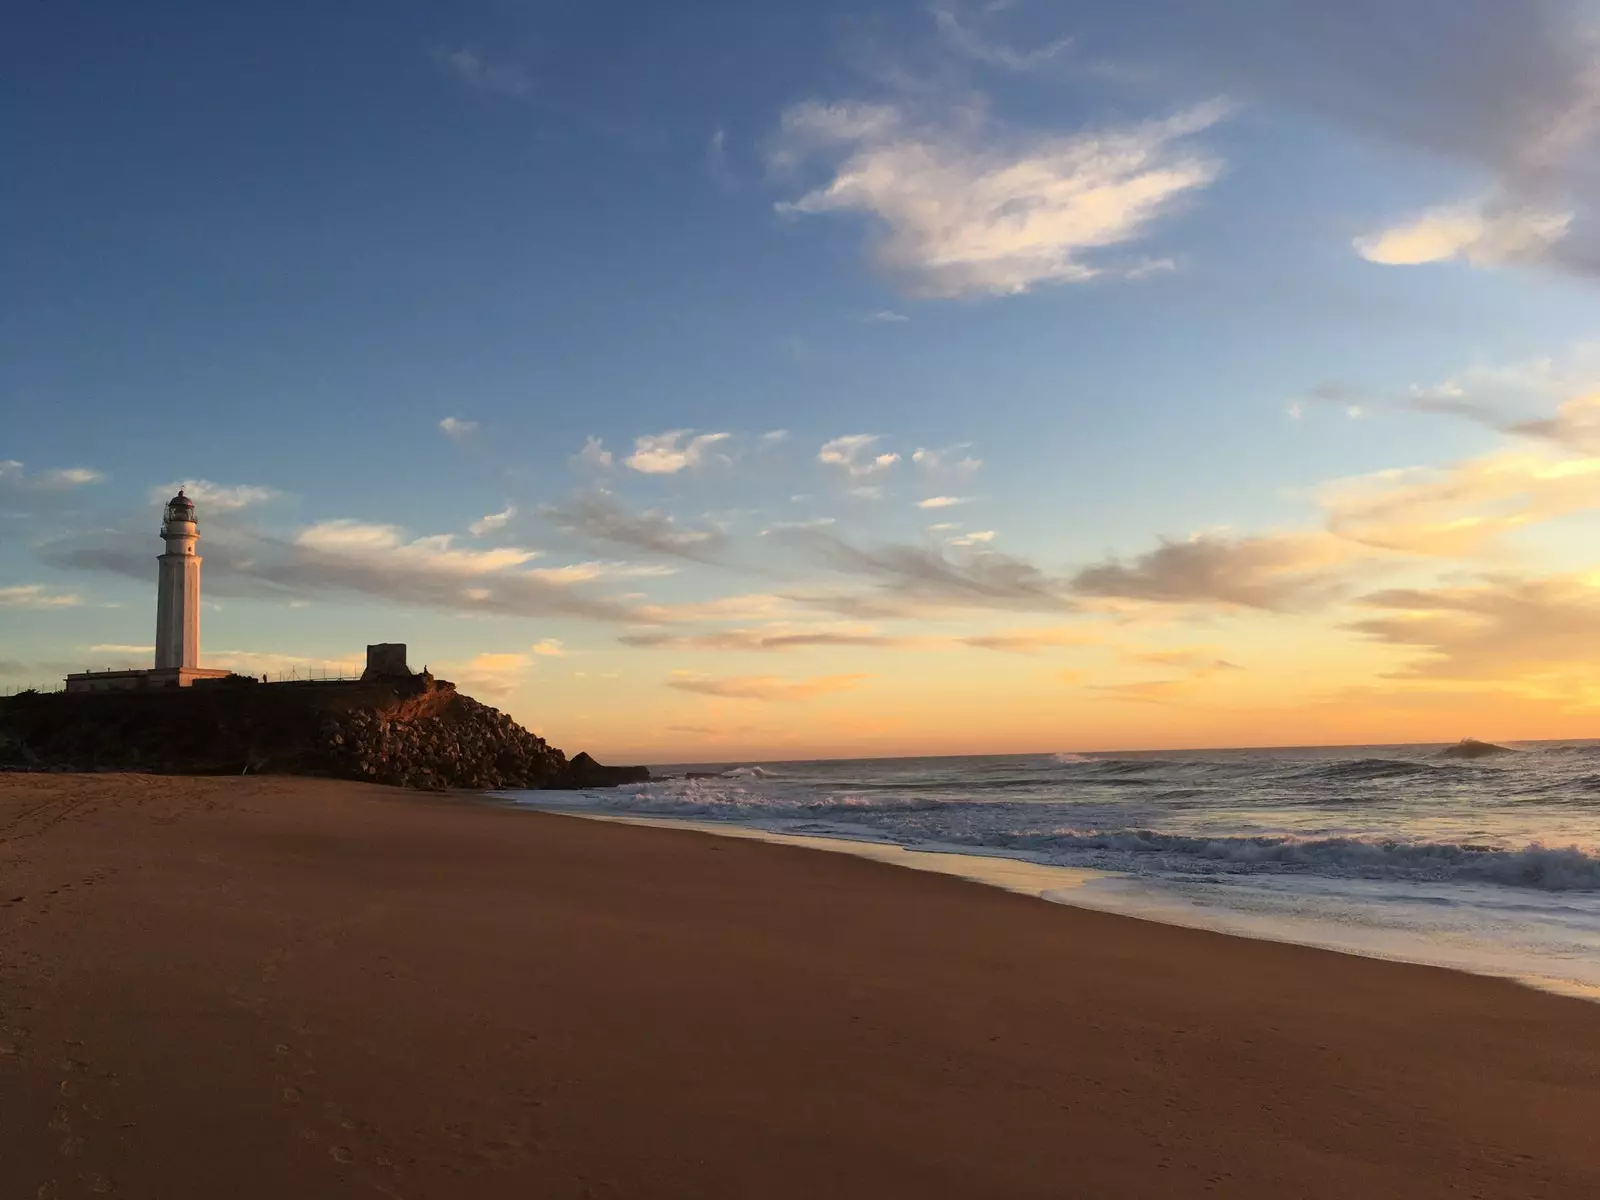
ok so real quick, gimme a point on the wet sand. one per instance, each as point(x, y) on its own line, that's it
point(269, 988)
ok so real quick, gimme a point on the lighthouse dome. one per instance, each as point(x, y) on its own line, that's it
point(180, 508)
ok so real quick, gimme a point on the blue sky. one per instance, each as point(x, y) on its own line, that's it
point(1142, 286)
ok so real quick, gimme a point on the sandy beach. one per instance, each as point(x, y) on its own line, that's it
point(285, 987)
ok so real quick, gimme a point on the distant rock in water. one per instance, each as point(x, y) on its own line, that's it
point(409, 732)
point(1473, 748)
point(587, 773)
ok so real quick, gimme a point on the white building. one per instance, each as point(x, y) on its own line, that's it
point(177, 614)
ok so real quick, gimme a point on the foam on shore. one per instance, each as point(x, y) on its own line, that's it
point(1280, 918)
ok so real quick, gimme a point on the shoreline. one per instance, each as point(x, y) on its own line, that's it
point(283, 986)
point(1072, 887)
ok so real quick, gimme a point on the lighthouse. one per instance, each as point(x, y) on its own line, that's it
point(177, 662)
point(178, 588)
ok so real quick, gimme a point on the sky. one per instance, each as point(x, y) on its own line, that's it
point(718, 381)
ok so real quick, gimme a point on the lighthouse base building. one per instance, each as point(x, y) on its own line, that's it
point(177, 615)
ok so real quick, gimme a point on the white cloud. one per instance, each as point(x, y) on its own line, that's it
point(36, 595)
point(593, 455)
point(214, 497)
point(492, 521)
point(966, 208)
point(548, 648)
point(853, 454)
point(673, 451)
point(1473, 233)
point(501, 79)
point(455, 427)
point(55, 479)
point(773, 437)
point(942, 501)
point(950, 462)
point(979, 537)
point(885, 316)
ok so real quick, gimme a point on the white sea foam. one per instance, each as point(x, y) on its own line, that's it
point(1486, 866)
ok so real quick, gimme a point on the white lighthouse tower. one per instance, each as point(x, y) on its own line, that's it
point(177, 614)
point(178, 590)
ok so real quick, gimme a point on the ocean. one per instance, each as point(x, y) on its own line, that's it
point(1489, 865)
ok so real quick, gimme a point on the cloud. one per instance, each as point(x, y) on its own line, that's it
point(548, 648)
point(37, 596)
point(1274, 572)
point(1542, 631)
point(906, 578)
point(1473, 233)
point(967, 40)
point(674, 451)
point(455, 427)
point(966, 207)
point(978, 537)
point(14, 476)
point(593, 455)
point(942, 501)
point(353, 558)
point(1029, 641)
point(1511, 92)
point(764, 687)
point(487, 674)
point(214, 497)
point(1204, 660)
point(1461, 509)
point(885, 316)
point(119, 648)
point(492, 521)
point(597, 516)
point(501, 79)
point(950, 462)
point(767, 640)
point(772, 437)
point(852, 453)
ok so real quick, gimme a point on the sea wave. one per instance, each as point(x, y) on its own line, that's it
point(1347, 770)
point(1548, 868)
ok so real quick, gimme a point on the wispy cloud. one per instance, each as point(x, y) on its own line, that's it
point(1030, 641)
point(548, 648)
point(14, 476)
point(853, 454)
point(952, 462)
point(598, 516)
point(492, 521)
point(942, 501)
point(1540, 631)
point(764, 687)
point(965, 206)
point(767, 640)
point(36, 595)
point(351, 558)
point(502, 79)
point(1478, 233)
point(905, 578)
point(1273, 572)
point(214, 497)
point(962, 33)
point(456, 427)
point(885, 316)
point(488, 674)
point(594, 455)
point(674, 451)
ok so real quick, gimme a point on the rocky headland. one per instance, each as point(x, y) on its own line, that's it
point(411, 731)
